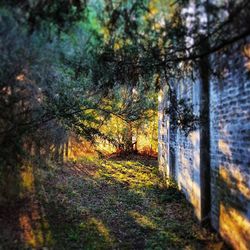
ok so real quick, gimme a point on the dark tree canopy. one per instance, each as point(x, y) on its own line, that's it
point(62, 60)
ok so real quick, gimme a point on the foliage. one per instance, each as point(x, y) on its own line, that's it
point(168, 42)
point(72, 66)
point(39, 14)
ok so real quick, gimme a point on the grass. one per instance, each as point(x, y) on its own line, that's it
point(109, 204)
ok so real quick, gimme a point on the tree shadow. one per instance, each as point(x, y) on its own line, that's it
point(117, 204)
point(106, 204)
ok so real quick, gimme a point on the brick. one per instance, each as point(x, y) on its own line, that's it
point(229, 155)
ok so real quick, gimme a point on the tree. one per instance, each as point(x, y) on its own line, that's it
point(165, 41)
point(70, 66)
point(131, 109)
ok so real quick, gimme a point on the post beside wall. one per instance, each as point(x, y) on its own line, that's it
point(205, 140)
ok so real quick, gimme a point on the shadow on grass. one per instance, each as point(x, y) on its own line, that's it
point(108, 204)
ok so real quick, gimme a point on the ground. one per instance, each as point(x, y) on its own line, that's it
point(102, 204)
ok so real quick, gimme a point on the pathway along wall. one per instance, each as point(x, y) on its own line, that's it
point(212, 163)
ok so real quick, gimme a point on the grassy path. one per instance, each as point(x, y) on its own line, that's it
point(111, 204)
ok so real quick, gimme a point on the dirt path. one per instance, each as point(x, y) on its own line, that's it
point(111, 204)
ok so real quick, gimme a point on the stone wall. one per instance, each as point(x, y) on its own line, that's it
point(223, 167)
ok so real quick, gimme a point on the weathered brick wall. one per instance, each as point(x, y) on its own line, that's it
point(187, 151)
point(230, 155)
point(180, 155)
point(163, 133)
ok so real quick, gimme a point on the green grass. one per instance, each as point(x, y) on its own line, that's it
point(113, 204)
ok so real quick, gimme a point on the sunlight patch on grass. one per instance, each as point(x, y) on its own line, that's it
point(129, 173)
point(35, 228)
point(27, 180)
point(102, 229)
point(142, 220)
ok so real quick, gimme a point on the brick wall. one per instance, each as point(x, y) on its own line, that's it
point(187, 150)
point(181, 156)
point(163, 134)
point(230, 155)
